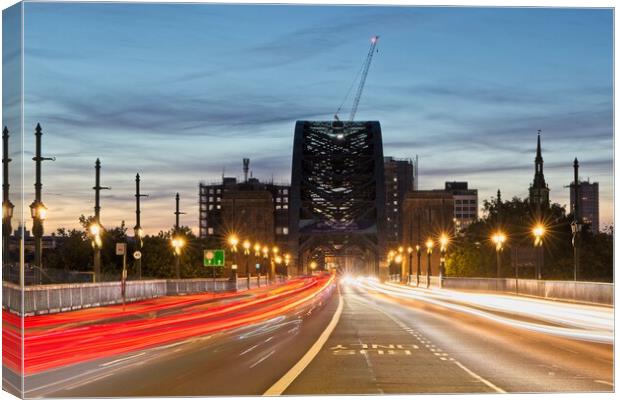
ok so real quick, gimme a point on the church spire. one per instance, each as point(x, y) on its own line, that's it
point(539, 191)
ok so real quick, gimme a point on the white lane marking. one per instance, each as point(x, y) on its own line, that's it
point(249, 350)
point(122, 359)
point(429, 344)
point(481, 379)
point(604, 382)
point(288, 378)
point(88, 381)
point(262, 359)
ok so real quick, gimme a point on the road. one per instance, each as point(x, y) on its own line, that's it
point(362, 338)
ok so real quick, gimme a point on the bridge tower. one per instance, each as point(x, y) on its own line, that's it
point(337, 195)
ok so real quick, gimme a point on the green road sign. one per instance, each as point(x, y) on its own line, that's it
point(214, 258)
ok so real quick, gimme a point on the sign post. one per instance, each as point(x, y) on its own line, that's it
point(214, 258)
point(121, 250)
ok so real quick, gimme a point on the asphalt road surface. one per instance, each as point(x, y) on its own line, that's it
point(379, 344)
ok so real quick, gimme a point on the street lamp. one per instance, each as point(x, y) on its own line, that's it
point(499, 238)
point(410, 252)
point(177, 243)
point(429, 252)
point(233, 241)
point(246, 251)
point(538, 231)
point(37, 208)
point(138, 232)
point(443, 247)
point(7, 206)
point(287, 260)
point(312, 266)
point(418, 250)
point(95, 232)
point(266, 257)
point(401, 250)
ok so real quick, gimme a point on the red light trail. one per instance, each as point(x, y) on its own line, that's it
point(56, 340)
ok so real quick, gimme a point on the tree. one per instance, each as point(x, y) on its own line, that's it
point(473, 253)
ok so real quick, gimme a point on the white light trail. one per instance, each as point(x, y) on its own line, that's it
point(577, 321)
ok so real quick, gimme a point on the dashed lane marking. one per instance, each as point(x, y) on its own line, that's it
point(442, 356)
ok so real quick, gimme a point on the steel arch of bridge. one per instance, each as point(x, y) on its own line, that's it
point(337, 189)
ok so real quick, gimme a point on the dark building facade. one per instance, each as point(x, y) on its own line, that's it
point(588, 203)
point(465, 204)
point(251, 209)
point(398, 181)
point(426, 215)
point(539, 191)
point(338, 194)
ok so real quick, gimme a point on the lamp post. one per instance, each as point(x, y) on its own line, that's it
point(257, 248)
point(410, 263)
point(278, 263)
point(233, 241)
point(443, 247)
point(418, 250)
point(312, 267)
point(390, 260)
point(265, 257)
point(538, 231)
point(246, 251)
point(180, 242)
point(275, 250)
point(401, 273)
point(7, 206)
point(95, 228)
point(499, 238)
point(138, 233)
point(38, 210)
point(429, 252)
point(287, 260)
point(576, 224)
point(177, 244)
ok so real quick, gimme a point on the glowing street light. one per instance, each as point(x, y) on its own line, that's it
point(418, 250)
point(233, 241)
point(410, 252)
point(443, 247)
point(313, 265)
point(429, 251)
point(538, 231)
point(499, 238)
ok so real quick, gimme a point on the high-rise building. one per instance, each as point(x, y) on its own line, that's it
point(539, 191)
point(398, 181)
point(465, 204)
point(250, 208)
point(588, 203)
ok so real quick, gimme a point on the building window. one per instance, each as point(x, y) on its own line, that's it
point(278, 230)
point(210, 206)
point(210, 231)
point(278, 200)
point(395, 202)
point(285, 191)
point(210, 199)
point(285, 230)
point(395, 179)
point(285, 206)
point(219, 206)
point(284, 199)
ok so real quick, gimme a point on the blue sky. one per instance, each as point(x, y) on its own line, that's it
point(179, 92)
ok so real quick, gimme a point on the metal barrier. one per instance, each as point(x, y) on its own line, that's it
point(47, 299)
point(590, 292)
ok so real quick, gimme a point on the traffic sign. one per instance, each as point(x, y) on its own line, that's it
point(137, 255)
point(120, 248)
point(214, 258)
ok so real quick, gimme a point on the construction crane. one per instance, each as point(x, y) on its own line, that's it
point(360, 88)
